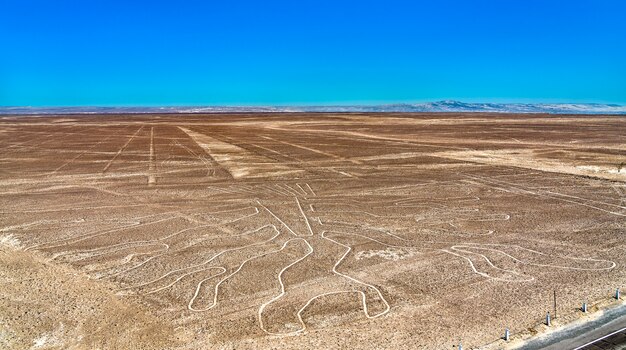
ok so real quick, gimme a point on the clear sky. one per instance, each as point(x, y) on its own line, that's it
point(146, 53)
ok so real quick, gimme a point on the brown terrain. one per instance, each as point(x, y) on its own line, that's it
point(304, 231)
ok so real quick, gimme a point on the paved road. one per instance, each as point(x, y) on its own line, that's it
point(613, 341)
point(584, 336)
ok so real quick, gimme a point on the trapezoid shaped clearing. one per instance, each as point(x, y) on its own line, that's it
point(239, 162)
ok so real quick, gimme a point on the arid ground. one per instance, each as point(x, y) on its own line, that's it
point(304, 231)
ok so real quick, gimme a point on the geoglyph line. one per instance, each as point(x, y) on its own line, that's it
point(290, 190)
point(483, 274)
point(206, 262)
point(372, 239)
point(79, 155)
point(520, 189)
point(479, 246)
point(348, 250)
point(216, 290)
point(208, 165)
point(277, 218)
point(310, 189)
point(334, 156)
point(306, 219)
point(152, 160)
point(121, 150)
point(282, 285)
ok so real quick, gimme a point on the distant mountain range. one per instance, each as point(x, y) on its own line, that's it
point(440, 106)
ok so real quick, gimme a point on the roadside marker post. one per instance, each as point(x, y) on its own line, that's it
point(548, 323)
point(617, 294)
point(584, 307)
point(555, 303)
point(507, 334)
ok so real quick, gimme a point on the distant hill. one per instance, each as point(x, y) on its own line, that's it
point(440, 106)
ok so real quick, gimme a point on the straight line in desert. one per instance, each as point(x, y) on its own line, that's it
point(277, 218)
point(216, 149)
point(275, 189)
point(311, 149)
point(306, 219)
point(230, 139)
point(308, 166)
point(238, 162)
point(299, 192)
point(500, 185)
point(121, 149)
point(208, 164)
point(367, 136)
point(288, 189)
point(303, 190)
point(152, 166)
point(79, 155)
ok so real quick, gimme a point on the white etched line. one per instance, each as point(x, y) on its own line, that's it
point(189, 274)
point(312, 192)
point(489, 263)
point(282, 285)
point(121, 150)
point(348, 250)
point(476, 246)
point(152, 166)
point(206, 262)
point(78, 156)
point(216, 289)
point(275, 191)
point(207, 164)
point(296, 193)
point(286, 188)
point(525, 191)
point(372, 239)
point(586, 199)
point(277, 218)
point(306, 219)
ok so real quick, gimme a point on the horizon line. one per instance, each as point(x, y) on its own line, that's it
point(444, 106)
point(313, 105)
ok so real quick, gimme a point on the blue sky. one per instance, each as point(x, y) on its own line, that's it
point(147, 53)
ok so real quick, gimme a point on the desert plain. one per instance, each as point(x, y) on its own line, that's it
point(304, 231)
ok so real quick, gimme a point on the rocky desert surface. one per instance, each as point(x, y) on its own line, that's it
point(304, 231)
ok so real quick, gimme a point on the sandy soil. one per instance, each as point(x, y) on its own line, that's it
point(297, 231)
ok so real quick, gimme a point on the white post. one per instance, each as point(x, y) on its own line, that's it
point(617, 294)
point(460, 346)
point(584, 308)
point(548, 323)
point(507, 334)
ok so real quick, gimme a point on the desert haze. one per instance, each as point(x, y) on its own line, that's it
point(305, 230)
